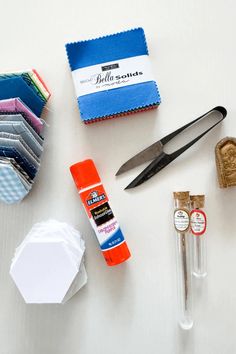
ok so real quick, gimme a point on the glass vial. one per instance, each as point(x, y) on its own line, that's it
point(183, 258)
point(198, 223)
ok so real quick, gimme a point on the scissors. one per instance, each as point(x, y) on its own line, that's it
point(156, 152)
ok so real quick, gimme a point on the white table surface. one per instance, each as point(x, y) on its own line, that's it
point(128, 309)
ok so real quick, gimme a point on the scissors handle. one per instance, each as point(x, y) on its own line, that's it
point(178, 152)
point(170, 136)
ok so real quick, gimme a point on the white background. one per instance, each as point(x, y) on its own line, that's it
point(129, 309)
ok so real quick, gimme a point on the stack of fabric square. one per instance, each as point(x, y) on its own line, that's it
point(23, 96)
point(112, 75)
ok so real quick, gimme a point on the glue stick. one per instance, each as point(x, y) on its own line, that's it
point(97, 206)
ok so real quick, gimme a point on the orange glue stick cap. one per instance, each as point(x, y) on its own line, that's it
point(85, 174)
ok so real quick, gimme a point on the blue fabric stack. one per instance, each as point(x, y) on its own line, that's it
point(109, 103)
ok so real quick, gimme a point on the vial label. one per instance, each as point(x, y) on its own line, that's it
point(198, 222)
point(181, 220)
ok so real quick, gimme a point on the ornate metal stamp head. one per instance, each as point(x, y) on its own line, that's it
point(226, 162)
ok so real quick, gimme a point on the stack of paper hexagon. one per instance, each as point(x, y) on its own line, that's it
point(48, 266)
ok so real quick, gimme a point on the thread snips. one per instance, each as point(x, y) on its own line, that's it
point(156, 152)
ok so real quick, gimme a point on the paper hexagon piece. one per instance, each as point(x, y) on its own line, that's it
point(48, 266)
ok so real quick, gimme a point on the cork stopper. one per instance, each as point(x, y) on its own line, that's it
point(225, 153)
point(182, 199)
point(184, 196)
point(197, 201)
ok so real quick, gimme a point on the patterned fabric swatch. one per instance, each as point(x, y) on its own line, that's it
point(20, 129)
point(20, 117)
point(23, 95)
point(17, 105)
point(12, 190)
point(17, 87)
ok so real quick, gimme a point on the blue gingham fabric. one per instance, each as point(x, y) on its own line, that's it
point(12, 189)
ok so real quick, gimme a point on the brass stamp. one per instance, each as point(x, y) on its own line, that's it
point(225, 152)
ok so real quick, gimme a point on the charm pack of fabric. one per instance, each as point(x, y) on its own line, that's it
point(112, 75)
point(23, 96)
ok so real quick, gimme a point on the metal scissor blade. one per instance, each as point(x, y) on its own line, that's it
point(146, 155)
point(155, 166)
